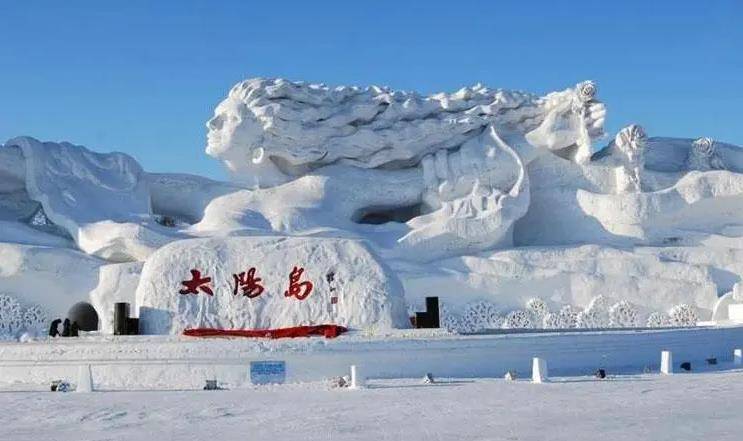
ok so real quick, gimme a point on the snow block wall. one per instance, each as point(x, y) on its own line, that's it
point(267, 283)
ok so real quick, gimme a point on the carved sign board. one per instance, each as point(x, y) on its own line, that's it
point(267, 282)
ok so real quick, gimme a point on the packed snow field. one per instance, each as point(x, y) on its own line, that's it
point(173, 362)
point(690, 406)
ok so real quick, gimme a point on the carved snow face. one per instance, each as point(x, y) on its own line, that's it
point(235, 137)
point(228, 130)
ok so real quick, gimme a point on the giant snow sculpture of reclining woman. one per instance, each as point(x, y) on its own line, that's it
point(450, 166)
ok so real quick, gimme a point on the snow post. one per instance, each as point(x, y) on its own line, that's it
point(539, 370)
point(356, 380)
point(84, 379)
point(738, 357)
point(666, 363)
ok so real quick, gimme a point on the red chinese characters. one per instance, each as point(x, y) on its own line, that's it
point(248, 283)
point(196, 284)
point(297, 289)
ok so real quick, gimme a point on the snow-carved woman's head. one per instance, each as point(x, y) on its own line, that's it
point(274, 130)
point(235, 136)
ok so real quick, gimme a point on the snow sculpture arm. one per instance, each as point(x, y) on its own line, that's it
point(481, 216)
point(630, 142)
point(574, 117)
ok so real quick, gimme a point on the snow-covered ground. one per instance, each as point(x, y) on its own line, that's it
point(180, 363)
point(702, 405)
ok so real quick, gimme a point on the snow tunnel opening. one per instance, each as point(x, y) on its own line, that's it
point(383, 215)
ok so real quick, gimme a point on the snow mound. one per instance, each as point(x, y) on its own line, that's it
point(244, 283)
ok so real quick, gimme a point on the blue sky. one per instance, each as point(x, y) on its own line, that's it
point(143, 76)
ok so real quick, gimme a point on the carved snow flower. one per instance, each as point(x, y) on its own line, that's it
point(704, 146)
point(586, 90)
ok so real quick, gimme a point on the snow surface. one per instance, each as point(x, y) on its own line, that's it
point(178, 362)
point(693, 406)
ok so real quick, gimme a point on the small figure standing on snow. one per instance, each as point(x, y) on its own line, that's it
point(54, 328)
point(66, 328)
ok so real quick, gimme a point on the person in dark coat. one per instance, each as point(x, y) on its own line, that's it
point(66, 328)
point(54, 328)
point(75, 330)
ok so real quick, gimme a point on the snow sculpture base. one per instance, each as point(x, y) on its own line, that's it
point(245, 284)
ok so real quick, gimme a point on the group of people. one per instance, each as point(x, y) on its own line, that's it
point(68, 329)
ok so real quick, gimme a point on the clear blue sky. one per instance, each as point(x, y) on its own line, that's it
point(143, 76)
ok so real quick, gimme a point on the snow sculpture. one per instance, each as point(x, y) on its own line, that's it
point(657, 320)
point(590, 319)
point(551, 320)
point(451, 321)
point(538, 309)
point(569, 316)
point(683, 315)
point(623, 315)
point(11, 316)
point(568, 114)
point(483, 196)
point(14, 319)
point(481, 315)
point(101, 200)
point(703, 156)
point(517, 320)
point(256, 128)
point(462, 156)
point(266, 283)
point(630, 141)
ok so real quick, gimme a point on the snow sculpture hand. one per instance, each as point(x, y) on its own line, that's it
point(475, 208)
point(574, 117)
point(631, 142)
point(703, 156)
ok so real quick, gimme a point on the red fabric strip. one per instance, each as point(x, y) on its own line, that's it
point(327, 331)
